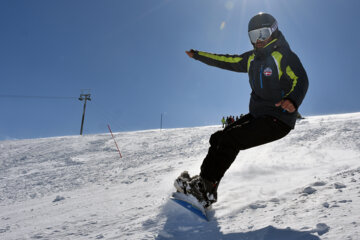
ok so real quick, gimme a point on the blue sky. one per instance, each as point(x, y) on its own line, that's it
point(131, 54)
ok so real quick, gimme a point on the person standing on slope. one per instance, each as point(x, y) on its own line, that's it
point(279, 84)
point(223, 122)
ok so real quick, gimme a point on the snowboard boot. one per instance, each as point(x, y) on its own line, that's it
point(182, 181)
point(203, 190)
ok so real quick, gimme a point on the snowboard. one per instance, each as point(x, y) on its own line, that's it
point(190, 203)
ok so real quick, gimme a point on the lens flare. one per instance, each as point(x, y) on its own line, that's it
point(222, 25)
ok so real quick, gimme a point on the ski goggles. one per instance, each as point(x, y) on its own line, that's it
point(262, 33)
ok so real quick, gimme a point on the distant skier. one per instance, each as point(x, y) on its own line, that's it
point(223, 121)
point(279, 84)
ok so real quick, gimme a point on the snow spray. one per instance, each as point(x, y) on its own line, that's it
point(114, 140)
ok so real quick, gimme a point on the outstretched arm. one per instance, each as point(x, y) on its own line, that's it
point(237, 63)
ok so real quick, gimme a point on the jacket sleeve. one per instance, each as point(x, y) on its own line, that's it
point(237, 63)
point(298, 79)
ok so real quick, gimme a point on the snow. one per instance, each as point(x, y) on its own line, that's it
point(304, 186)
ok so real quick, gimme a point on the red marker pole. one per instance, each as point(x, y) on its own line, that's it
point(114, 140)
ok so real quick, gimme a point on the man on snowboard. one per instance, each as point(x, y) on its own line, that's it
point(279, 84)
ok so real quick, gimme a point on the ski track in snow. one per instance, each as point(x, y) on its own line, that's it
point(304, 186)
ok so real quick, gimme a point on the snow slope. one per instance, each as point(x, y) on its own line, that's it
point(305, 186)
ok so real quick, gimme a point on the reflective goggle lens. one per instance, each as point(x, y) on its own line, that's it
point(262, 34)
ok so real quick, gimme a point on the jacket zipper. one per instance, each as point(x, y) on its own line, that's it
point(261, 80)
point(253, 78)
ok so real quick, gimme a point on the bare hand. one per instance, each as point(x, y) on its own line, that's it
point(286, 105)
point(190, 53)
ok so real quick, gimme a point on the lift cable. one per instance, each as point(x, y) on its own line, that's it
point(38, 97)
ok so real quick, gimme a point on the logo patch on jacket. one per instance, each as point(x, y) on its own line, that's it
point(268, 72)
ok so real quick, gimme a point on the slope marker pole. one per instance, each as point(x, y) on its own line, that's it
point(114, 140)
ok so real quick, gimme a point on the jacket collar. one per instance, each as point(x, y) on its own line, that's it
point(276, 43)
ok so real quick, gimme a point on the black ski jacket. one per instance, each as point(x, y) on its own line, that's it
point(275, 73)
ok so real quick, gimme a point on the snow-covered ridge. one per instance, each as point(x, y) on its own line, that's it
point(305, 186)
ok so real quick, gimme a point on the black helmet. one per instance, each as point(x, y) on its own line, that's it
point(261, 27)
point(262, 20)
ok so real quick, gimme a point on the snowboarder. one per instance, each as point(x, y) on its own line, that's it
point(279, 84)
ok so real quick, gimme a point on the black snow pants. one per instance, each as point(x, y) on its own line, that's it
point(247, 132)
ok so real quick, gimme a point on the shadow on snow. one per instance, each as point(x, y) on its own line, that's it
point(182, 224)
